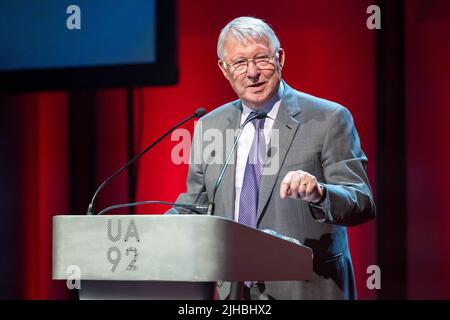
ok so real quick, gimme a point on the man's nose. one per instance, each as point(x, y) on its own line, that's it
point(252, 70)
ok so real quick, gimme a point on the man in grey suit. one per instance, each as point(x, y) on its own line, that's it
point(300, 171)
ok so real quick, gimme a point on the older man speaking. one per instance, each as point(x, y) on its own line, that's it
point(319, 185)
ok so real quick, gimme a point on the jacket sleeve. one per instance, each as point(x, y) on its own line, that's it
point(348, 199)
point(195, 184)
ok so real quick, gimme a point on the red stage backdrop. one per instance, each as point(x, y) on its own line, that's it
point(329, 53)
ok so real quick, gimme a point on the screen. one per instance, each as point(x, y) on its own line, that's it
point(41, 34)
point(42, 42)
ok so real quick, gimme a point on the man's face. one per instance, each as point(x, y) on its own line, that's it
point(256, 85)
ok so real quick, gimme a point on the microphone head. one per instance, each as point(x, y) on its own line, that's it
point(200, 112)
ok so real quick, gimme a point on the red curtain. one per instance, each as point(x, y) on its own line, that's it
point(45, 188)
point(46, 177)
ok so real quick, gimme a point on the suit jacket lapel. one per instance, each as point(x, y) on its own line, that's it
point(286, 126)
point(227, 186)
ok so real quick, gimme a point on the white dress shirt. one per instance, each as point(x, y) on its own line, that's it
point(246, 140)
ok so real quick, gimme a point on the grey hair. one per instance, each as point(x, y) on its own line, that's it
point(244, 29)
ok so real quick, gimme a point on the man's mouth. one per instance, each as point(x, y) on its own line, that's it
point(256, 85)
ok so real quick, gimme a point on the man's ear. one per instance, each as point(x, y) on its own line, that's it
point(224, 71)
point(281, 57)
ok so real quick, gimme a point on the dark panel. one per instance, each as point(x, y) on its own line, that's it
point(12, 112)
point(391, 213)
point(427, 144)
point(82, 154)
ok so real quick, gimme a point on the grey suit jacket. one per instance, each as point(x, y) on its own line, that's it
point(316, 136)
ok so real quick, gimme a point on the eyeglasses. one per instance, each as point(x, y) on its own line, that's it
point(241, 65)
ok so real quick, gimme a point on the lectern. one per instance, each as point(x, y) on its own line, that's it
point(168, 256)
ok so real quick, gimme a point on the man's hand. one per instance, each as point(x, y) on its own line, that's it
point(301, 185)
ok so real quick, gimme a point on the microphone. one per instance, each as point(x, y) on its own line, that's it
point(257, 115)
point(197, 208)
point(91, 208)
